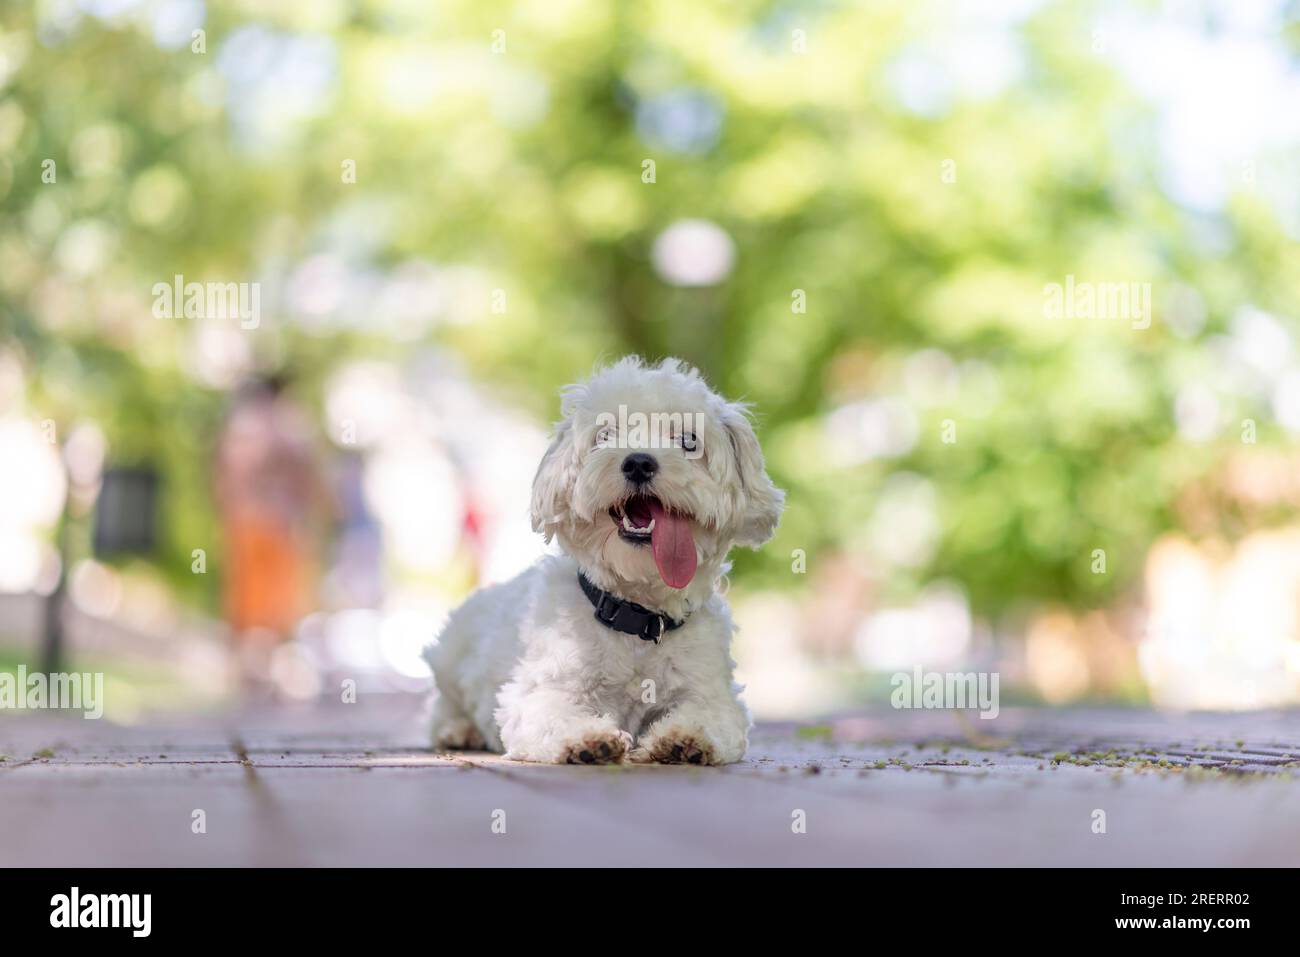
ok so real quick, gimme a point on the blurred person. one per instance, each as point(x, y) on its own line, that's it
point(355, 578)
point(269, 496)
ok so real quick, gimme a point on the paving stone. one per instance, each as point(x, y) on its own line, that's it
point(337, 785)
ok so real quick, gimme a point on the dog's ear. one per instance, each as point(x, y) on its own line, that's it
point(761, 501)
point(554, 481)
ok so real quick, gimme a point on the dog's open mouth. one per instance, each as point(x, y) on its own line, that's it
point(635, 521)
point(643, 520)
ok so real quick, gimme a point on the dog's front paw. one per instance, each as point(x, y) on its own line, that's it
point(598, 747)
point(679, 746)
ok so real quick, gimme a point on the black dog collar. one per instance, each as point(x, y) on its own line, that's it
point(627, 616)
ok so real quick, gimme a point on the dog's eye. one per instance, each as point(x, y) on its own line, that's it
point(604, 437)
point(689, 442)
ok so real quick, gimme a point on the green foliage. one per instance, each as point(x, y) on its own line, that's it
point(526, 165)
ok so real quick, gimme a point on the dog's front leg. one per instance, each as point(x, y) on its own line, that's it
point(555, 726)
point(699, 729)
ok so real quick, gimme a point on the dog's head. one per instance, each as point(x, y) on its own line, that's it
point(652, 474)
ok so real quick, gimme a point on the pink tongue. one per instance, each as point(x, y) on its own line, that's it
point(673, 545)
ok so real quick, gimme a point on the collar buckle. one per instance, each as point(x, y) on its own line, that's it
point(607, 610)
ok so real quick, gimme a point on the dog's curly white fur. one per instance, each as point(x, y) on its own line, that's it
point(524, 667)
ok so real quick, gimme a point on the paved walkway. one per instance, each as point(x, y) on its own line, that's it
point(352, 785)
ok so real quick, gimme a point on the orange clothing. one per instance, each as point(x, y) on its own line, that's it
point(267, 573)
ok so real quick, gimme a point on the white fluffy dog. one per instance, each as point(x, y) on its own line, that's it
point(620, 647)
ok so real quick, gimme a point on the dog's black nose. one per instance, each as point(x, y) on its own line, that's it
point(640, 468)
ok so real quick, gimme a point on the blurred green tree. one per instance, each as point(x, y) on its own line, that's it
point(885, 310)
